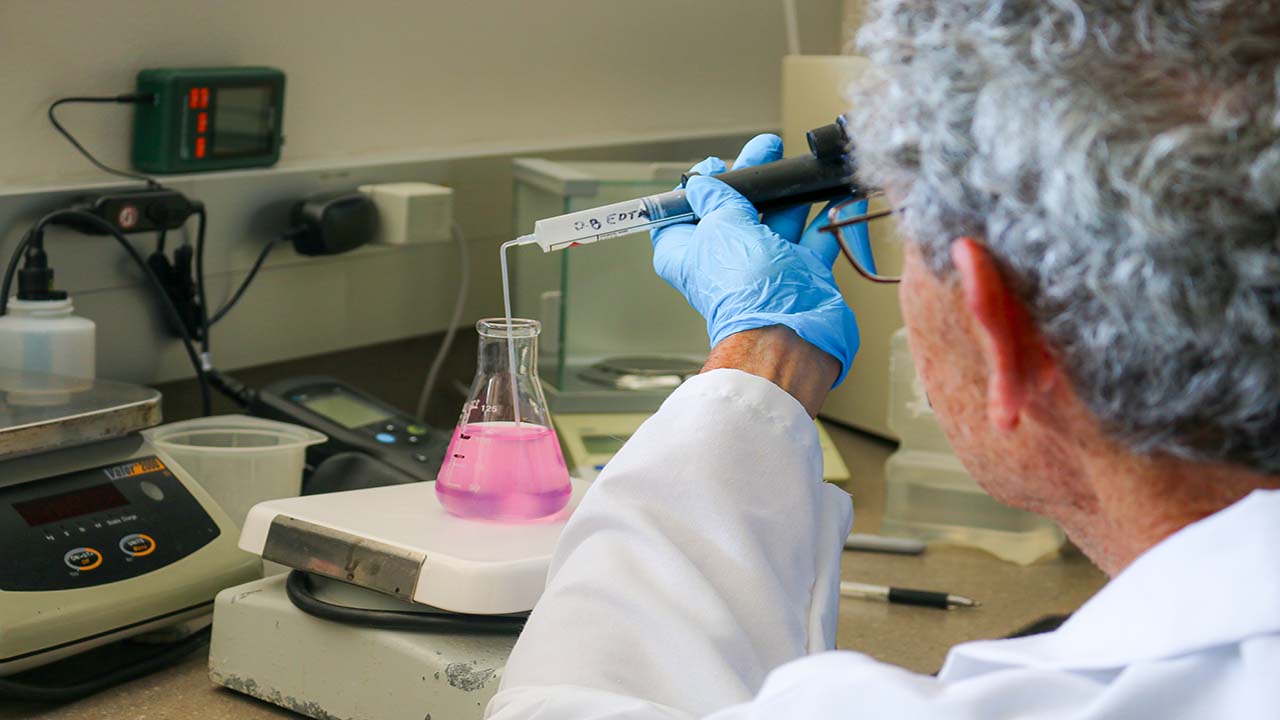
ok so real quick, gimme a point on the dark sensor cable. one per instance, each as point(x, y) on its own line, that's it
point(298, 588)
point(244, 284)
point(127, 99)
point(164, 657)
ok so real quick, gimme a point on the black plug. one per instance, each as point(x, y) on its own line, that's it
point(332, 223)
point(177, 282)
point(35, 279)
point(243, 395)
point(184, 286)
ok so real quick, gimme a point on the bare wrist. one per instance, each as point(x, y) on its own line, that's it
point(780, 356)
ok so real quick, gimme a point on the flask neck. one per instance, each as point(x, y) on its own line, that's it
point(496, 355)
point(507, 348)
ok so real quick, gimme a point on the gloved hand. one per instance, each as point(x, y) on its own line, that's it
point(741, 273)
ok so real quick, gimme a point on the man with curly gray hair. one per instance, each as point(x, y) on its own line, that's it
point(1090, 204)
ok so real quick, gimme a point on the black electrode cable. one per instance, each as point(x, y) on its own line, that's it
point(127, 99)
point(298, 588)
point(206, 400)
point(163, 658)
point(244, 284)
point(202, 218)
point(12, 270)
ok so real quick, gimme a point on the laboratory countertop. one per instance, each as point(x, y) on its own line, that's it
point(915, 638)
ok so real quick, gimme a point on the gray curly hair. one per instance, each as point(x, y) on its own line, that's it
point(1122, 162)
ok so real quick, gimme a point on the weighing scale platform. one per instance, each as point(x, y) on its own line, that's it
point(580, 395)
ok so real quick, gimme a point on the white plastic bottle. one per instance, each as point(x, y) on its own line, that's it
point(44, 336)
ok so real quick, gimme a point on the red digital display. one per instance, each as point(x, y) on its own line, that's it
point(194, 98)
point(200, 147)
point(71, 504)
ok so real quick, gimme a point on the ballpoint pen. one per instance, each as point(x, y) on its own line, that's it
point(906, 596)
point(881, 543)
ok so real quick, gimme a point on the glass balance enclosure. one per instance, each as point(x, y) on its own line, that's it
point(616, 338)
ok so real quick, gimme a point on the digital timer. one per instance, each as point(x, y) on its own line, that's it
point(208, 119)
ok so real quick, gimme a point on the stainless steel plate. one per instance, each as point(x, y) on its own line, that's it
point(641, 372)
point(42, 412)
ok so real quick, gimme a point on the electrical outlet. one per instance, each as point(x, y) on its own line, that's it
point(412, 212)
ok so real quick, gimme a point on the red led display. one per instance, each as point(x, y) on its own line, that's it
point(202, 122)
point(193, 98)
point(71, 504)
point(200, 147)
point(204, 97)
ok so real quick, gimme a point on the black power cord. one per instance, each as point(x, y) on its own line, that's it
point(298, 588)
point(35, 239)
point(163, 658)
point(202, 219)
point(12, 270)
point(127, 99)
point(244, 284)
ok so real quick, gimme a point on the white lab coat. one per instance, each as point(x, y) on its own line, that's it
point(699, 577)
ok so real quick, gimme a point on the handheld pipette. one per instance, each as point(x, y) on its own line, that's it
point(823, 174)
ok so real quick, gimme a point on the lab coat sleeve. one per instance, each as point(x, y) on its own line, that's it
point(705, 555)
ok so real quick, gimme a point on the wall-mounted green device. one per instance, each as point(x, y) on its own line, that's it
point(208, 119)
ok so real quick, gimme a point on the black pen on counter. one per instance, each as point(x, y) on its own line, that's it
point(906, 596)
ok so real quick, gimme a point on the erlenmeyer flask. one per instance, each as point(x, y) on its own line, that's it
point(504, 462)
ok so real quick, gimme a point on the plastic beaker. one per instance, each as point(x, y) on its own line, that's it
point(504, 461)
point(239, 460)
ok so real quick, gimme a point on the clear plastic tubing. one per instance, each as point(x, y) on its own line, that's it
point(609, 221)
point(506, 307)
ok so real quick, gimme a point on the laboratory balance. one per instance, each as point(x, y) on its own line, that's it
point(103, 537)
point(617, 340)
point(447, 594)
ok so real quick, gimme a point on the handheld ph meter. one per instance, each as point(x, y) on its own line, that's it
point(823, 174)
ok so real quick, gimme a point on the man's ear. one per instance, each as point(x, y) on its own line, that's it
point(1019, 365)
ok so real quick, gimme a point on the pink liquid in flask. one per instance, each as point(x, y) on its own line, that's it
point(503, 471)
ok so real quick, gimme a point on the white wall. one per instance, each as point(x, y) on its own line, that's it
point(390, 77)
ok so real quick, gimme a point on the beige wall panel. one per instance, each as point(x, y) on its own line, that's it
point(813, 92)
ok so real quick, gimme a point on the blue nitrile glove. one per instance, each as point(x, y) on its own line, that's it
point(741, 273)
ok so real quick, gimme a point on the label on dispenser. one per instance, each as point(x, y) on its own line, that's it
point(609, 221)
